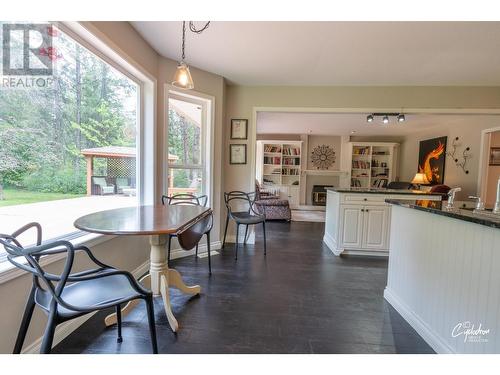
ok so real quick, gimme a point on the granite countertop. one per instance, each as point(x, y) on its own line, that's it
point(438, 208)
point(381, 191)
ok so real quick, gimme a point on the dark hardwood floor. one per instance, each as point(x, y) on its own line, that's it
point(298, 299)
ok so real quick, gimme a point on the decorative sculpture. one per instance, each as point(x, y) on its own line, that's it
point(322, 157)
point(465, 155)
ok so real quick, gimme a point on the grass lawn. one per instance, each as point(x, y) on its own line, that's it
point(12, 197)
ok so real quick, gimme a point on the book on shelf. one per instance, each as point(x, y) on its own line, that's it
point(361, 151)
point(275, 160)
point(291, 151)
point(360, 164)
point(290, 172)
point(294, 161)
point(272, 148)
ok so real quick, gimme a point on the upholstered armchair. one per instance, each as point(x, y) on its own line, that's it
point(270, 204)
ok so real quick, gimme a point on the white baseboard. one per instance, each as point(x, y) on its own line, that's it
point(435, 341)
point(202, 248)
point(304, 207)
point(232, 239)
point(65, 329)
point(330, 242)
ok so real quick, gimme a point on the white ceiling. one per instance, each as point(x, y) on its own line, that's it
point(337, 53)
point(344, 124)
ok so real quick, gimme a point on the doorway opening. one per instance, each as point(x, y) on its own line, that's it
point(488, 183)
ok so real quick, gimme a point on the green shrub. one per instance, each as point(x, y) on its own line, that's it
point(65, 180)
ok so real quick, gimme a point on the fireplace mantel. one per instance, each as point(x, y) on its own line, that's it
point(323, 172)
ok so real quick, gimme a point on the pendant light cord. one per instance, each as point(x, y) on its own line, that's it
point(194, 30)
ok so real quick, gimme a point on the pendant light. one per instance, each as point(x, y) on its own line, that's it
point(182, 76)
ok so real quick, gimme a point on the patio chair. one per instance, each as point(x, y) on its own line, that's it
point(104, 187)
point(190, 199)
point(122, 183)
point(67, 295)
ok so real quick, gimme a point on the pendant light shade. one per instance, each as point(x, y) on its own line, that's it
point(182, 77)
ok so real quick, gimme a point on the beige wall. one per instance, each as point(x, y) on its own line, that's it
point(241, 101)
point(278, 137)
point(469, 135)
point(122, 36)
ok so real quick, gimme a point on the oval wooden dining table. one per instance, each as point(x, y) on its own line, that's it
point(158, 222)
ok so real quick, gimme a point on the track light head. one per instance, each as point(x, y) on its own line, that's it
point(401, 118)
point(385, 119)
point(369, 118)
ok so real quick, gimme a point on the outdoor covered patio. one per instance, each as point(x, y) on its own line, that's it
point(115, 173)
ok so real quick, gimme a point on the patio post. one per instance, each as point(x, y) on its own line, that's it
point(90, 172)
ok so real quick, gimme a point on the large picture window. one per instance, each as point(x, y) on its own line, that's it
point(69, 149)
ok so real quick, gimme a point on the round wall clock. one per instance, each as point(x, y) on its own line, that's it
point(322, 157)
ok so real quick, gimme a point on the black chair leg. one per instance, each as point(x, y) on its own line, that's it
point(264, 228)
point(196, 252)
point(48, 336)
point(236, 245)
point(119, 322)
point(225, 231)
point(151, 321)
point(168, 252)
point(25, 322)
point(246, 231)
point(208, 250)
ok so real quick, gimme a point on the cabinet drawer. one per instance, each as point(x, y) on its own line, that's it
point(364, 198)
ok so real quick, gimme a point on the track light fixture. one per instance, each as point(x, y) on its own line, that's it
point(400, 117)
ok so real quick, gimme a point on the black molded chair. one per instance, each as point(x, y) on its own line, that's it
point(248, 216)
point(67, 295)
point(193, 200)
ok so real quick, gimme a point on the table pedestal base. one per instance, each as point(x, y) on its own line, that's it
point(159, 280)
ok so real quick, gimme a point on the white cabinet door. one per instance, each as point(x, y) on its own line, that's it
point(284, 192)
point(293, 195)
point(375, 227)
point(351, 226)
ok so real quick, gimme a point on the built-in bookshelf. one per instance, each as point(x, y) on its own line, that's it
point(279, 162)
point(373, 164)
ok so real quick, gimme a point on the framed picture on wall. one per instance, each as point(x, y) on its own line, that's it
point(238, 154)
point(431, 159)
point(495, 156)
point(239, 129)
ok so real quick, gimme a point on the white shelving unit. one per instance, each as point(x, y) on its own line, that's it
point(373, 164)
point(279, 166)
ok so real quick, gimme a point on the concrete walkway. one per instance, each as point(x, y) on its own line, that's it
point(57, 217)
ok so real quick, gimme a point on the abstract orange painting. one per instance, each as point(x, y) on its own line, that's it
point(431, 159)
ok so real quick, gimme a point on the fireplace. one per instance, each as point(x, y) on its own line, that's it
point(319, 195)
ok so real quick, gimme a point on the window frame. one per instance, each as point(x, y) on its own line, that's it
point(207, 103)
point(198, 167)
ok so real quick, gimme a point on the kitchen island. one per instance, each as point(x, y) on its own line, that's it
point(444, 273)
point(358, 220)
